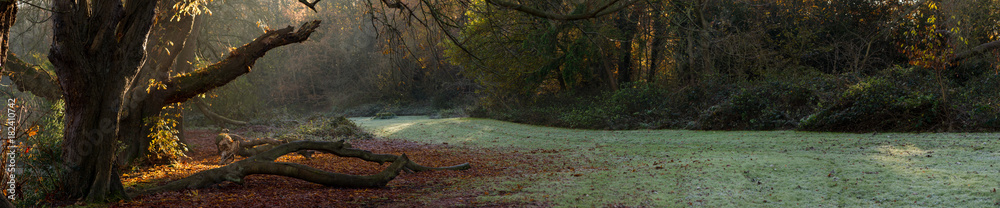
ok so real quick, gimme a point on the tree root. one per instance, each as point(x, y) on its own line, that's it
point(263, 163)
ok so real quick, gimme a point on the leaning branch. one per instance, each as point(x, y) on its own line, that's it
point(184, 86)
point(30, 78)
point(978, 50)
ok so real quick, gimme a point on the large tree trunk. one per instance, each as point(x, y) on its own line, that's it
point(97, 51)
point(97, 47)
point(660, 33)
point(184, 63)
point(168, 37)
point(628, 32)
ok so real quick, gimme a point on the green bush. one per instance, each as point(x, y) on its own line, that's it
point(902, 99)
point(450, 113)
point(774, 105)
point(41, 160)
point(384, 115)
point(635, 105)
point(332, 127)
point(165, 147)
point(979, 104)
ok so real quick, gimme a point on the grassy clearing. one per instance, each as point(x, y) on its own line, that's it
point(724, 168)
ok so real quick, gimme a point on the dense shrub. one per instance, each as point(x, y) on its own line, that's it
point(902, 99)
point(450, 113)
point(332, 127)
point(895, 99)
point(635, 105)
point(41, 158)
point(384, 115)
point(774, 105)
point(165, 146)
point(978, 103)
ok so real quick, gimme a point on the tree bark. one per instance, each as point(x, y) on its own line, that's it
point(625, 62)
point(263, 163)
point(660, 33)
point(97, 47)
point(8, 15)
point(167, 38)
point(184, 63)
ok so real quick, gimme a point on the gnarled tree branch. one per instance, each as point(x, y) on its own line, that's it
point(311, 5)
point(29, 78)
point(239, 61)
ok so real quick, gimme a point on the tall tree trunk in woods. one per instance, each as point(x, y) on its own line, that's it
point(704, 40)
point(184, 63)
point(628, 31)
point(97, 48)
point(659, 33)
point(167, 39)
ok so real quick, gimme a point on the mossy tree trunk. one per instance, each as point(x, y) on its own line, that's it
point(97, 48)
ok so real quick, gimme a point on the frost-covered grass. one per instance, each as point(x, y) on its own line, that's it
point(669, 168)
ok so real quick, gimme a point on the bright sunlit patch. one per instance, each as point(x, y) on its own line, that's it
point(392, 129)
point(902, 151)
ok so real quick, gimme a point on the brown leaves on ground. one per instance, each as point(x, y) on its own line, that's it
point(423, 189)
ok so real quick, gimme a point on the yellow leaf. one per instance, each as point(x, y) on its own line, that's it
point(33, 131)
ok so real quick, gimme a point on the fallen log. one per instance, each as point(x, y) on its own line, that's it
point(263, 163)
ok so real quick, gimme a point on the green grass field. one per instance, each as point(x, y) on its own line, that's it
point(671, 168)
